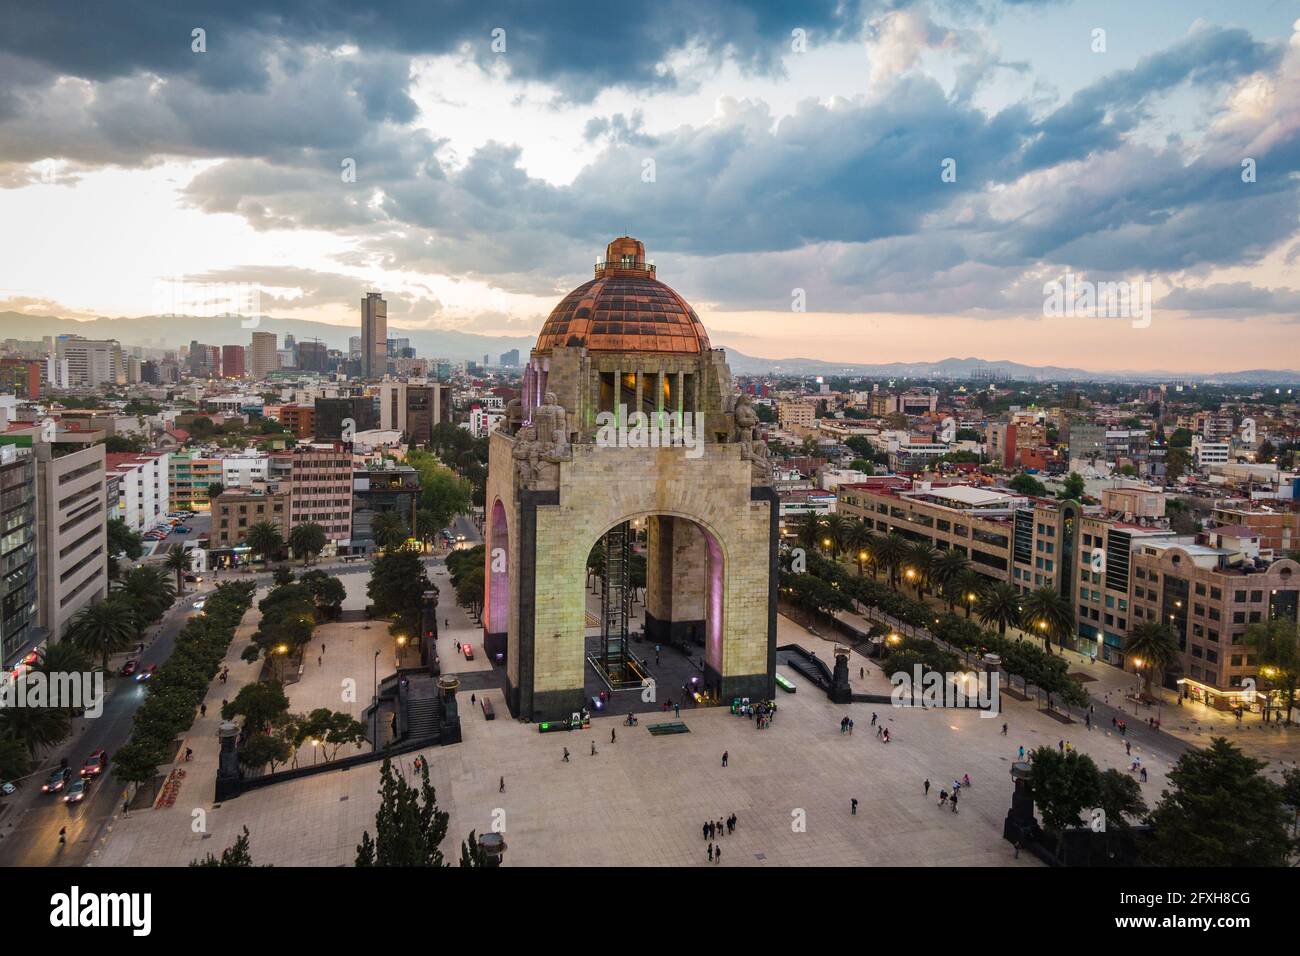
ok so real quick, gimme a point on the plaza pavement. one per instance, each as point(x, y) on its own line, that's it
point(642, 799)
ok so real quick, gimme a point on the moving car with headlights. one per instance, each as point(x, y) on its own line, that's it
point(95, 764)
point(57, 780)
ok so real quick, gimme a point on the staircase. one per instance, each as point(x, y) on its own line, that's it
point(423, 718)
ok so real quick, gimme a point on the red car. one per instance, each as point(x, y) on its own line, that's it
point(95, 764)
point(129, 667)
point(468, 651)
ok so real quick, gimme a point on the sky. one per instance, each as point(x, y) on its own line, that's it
point(856, 180)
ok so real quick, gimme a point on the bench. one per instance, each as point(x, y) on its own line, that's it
point(785, 684)
point(672, 727)
point(486, 704)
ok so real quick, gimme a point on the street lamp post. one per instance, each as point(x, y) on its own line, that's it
point(374, 703)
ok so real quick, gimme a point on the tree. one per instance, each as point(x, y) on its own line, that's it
point(1026, 484)
point(470, 589)
point(409, 827)
point(261, 704)
point(178, 560)
point(15, 761)
point(331, 729)
point(122, 540)
point(1121, 799)
point(396, 589)
point(1072, 487)
point(1000, 607)
point(471, 852)
point(61, 657)
point(307, 539)
point(1221, 812)
point(969, 586)
point(35, 727)
point(1048, 615)
point(147, 590)
point(1277, 644)
point(809, 529)
point(215, 490)
point(856, 537)
point(237, 854)
point(892, 552)
point(264, 538)
point(103, 628)
point(1065, 784)
point(948, 573)
point(919, 558)
point(263, 749)
point(389, 530)
point(1153, 648)
point(836, 530)
point(442, 492)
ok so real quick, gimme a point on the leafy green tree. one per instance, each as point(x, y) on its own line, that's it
point(1026, 484)
point(215, 490)
point(307, 540)
point(1065, 784)
point(1221, 812)
point(1121, 799)
point(122, 540)
point(1277, 645)
point(892, 555)
point(409, 827)
point(36, 727)
point(261, 750)
point(261, 704)
point(471, 852)
point(331, 729)
point(235, 855)
point(103, 628)
point(396, 589)
point(15, 761)
point(1072, 487)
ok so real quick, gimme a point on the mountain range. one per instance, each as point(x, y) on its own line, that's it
point(175, 330)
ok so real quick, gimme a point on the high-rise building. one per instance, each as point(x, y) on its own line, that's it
point(510, 359)
point(374, 336)
point(72, 531)
point(266, 358)
point(232, 361)
point(332, 414)
point(18, 587)
point(313, 356)
point(90, 362)
point(319, 479)
point(142, 487)
point(22, 377)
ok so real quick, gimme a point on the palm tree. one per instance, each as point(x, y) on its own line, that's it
point(307, 539)
point(948, 572)
point(61, 657)
point(178, 560)
point(426, 524)
point(36, 727)
point(147, 588)
point(970, 586)
point(892, 551)
point(836, 531)
point(875, 548)
point(809, 530)
point(1049, 615)
point(1001, 607)
point(856, 536)
point(103, 628)
point(919, 557)
point(264, 538)
point(1152, 648)
point(389, 530)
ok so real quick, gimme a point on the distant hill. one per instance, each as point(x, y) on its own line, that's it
point(172, 331)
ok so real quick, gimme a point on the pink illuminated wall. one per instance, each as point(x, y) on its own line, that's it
point(497, 600)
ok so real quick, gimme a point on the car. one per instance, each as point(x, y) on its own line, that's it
point(95, 764)
point(193, 579)
point(77, 792)
point(468, 651)
point(146, 673)
point(8, 789)
point(198, 605)
point(57, 780)
point(181, 529)
point(129, 667)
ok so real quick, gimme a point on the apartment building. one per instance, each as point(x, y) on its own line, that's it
point(800, 414)
point(376, 490)
point(1278, 530)
point(333, 416)
point(319, 480)
point(1207, 453)
point(72, 532)
point(19, 588)
point(238, 509)
point(232, 361)
point(241, 471)
point(189, 474)
point(88, 363)
point(265, 356)
point(142, 483)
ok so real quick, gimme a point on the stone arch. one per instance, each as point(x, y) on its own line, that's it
point(496, 581)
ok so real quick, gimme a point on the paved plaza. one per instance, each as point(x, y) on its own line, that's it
point(642, 799)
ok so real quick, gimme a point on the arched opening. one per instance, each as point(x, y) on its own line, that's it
point(496, 575)
point(654, 615)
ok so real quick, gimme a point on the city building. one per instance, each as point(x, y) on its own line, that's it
point(374, 336)
point(142, 493)
point(299, 420)
point(87, 363)
point(389, 487)
point(313, 357)
point(266, 358)
point(22, 377)
point(238, 509)
point(796, 413)
point(334, 416)
point(232, 361)
point(19, 622)
point(189, 474)
point(72, 531)
point(319, 480)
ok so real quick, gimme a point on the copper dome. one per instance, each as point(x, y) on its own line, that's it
point(624, 309)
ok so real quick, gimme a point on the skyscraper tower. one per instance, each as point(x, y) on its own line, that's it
point(374, 336)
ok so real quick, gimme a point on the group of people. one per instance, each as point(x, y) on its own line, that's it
point(714, 830)
point(761, 712)
point(947, 799)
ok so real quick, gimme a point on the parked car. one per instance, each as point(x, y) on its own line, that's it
point(77, 792)
point(181, 529)
point(95, 764)
point(8, 789)
point(146, 673)
point(129, 667)
point(57, 780)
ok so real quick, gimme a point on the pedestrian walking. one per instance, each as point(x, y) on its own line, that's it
point(927, 786)
point(710, 852)
point(725, 756)
point(1128, 749)
point(1004, 730)
point(943, 798)
point(593, 748)
point(717, 854)
point(611, 735)
point(502, 788)
point(677, 708)
point(566, 755)
point(203, 710)
point(1022, 752)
